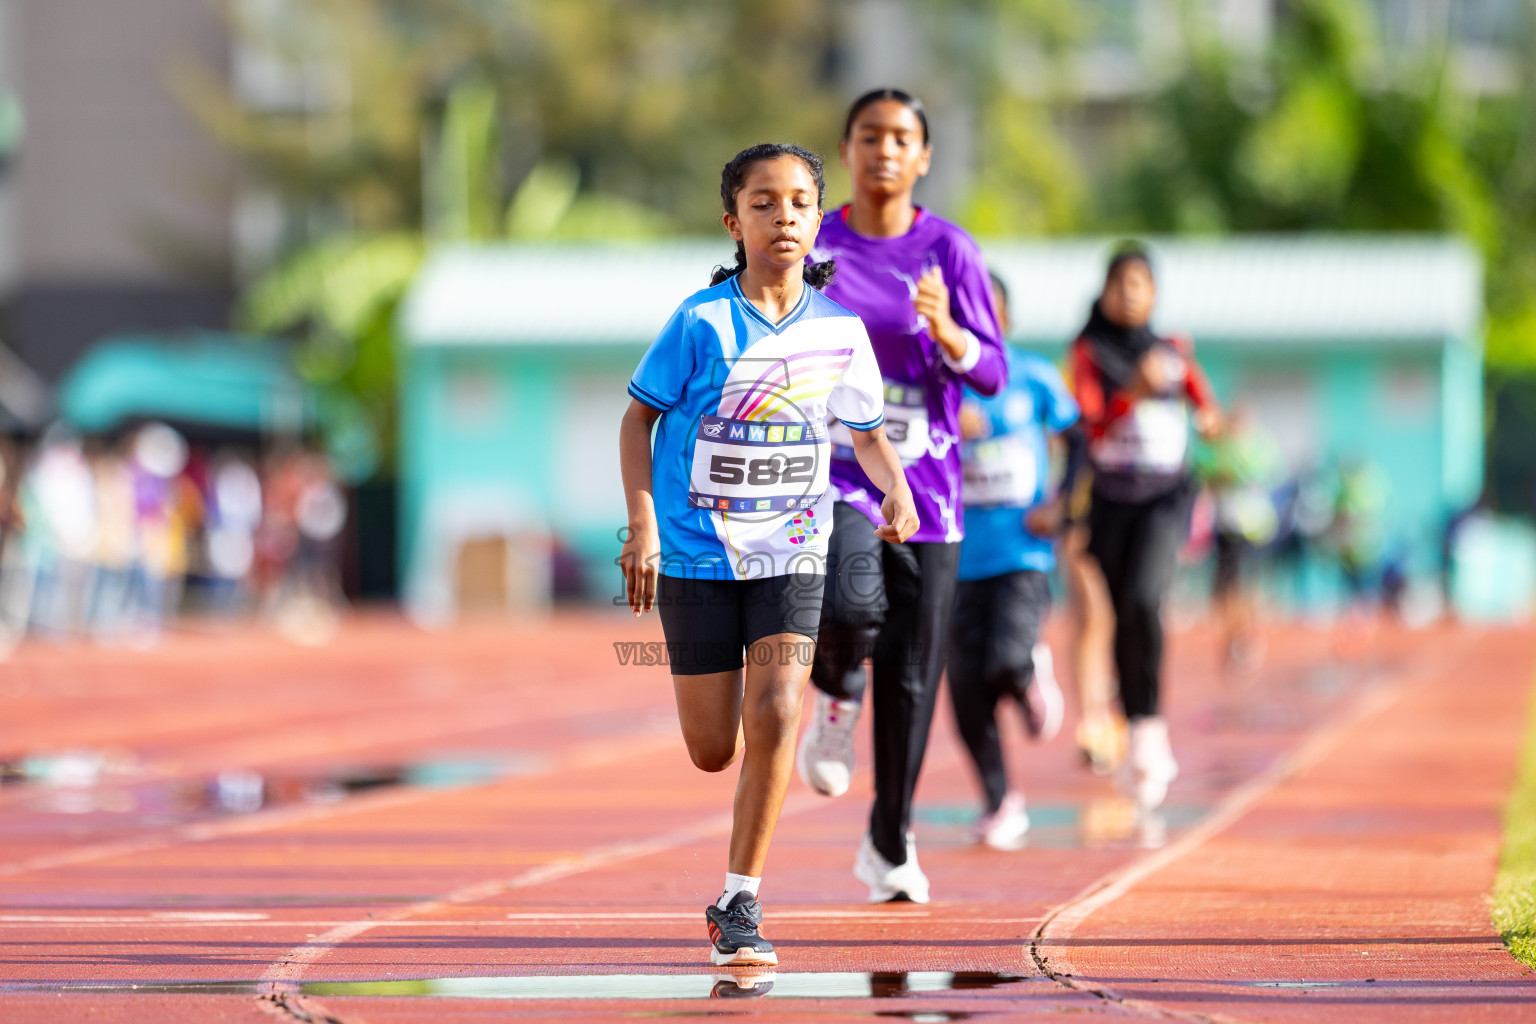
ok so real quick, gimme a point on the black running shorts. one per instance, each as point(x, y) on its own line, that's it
point(709, 624)
point(996, 624)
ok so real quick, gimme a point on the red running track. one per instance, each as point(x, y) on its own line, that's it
point(500, 822)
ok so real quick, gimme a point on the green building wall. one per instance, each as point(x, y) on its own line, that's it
point(535, 425)
point(477, 418)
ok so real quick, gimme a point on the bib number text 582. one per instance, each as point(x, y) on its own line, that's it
point(779, 469)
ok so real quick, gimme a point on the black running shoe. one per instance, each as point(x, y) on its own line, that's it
point(733, 931)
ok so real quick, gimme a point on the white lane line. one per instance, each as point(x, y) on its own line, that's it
point(168, 917)
point(202, 832)
point(1061, 923)
point(281, 978)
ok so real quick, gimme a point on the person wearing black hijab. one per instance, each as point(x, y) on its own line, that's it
point(1139, 393)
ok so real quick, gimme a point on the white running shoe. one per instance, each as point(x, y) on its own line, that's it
point(752, 983)
point(1044, 706)
point(1151, 762)
point(890, 883)
point(1004, 828)
point(825, 755)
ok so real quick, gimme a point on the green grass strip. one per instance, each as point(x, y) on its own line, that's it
point(1514, 893)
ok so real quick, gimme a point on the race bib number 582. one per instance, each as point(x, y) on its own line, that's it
point(742, 466)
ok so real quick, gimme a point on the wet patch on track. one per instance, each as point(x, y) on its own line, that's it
point(1105, 822)
point(111, 783)
point(723, 983)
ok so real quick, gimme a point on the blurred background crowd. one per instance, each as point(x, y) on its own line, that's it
point(313, 301)
point(110, 537)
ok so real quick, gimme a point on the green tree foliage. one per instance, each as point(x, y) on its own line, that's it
point(1325, 133)
point(1010, 58)
point(1028, 179)
point(1306, 137)
point(641, 96)
point(423, 121)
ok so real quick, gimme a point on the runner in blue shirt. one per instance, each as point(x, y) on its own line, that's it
point(729, 513)
point(1005, 565)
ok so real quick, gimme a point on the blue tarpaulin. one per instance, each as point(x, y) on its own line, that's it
point(217, 380)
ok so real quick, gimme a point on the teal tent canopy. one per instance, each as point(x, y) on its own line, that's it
point(217, 380)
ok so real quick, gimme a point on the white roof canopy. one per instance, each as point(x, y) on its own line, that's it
point(1298, 289)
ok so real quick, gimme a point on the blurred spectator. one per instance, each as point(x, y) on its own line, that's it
point(99, 537)
point(233, 502)
point(116, 551)
point(306, 513)
point(63, 533)
point(1356, 531)
point(1394, 579)
point(278, 536)
point(1479, 511)
point(1240, 468)
point(163, 519)
point(15, 576)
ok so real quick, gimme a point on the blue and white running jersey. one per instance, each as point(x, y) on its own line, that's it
point(1007, 470)
point(740, 455)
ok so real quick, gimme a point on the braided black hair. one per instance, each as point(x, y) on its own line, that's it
point(733, 177)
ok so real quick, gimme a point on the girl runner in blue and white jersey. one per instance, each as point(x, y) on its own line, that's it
point(729, 514)
point(1006, 559)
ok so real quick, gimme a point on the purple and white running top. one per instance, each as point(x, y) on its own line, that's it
point(877, 279)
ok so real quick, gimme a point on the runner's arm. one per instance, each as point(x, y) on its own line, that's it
point(1053, 515)
point(1208, 418)
point(1062, 417)
point(962, 320)
point(1197, 388)
point(883, 467)
point(1088, 388)
point(1086, 385)
point(640, 558)
point(1076, 441)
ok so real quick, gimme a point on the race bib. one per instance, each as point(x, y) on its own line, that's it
point(999, 471)
point(742, 466)
point(1152, 437)
point(906, 424)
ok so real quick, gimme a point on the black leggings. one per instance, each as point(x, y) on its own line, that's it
point(1136, 544)
point(992, 656)
point(890, 603)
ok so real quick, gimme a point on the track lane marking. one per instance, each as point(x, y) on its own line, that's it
point(278, 987)
point(1062, 921)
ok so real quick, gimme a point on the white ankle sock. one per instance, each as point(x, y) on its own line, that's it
point(735, 884)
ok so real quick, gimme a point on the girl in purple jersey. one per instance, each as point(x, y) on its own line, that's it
point(922, 289)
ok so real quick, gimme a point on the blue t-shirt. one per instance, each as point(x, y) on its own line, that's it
point(740, 456)
point(1007, 470)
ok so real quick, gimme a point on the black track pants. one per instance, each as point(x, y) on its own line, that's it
point(991, 656)
point(890, 603)
point(1137, 547)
